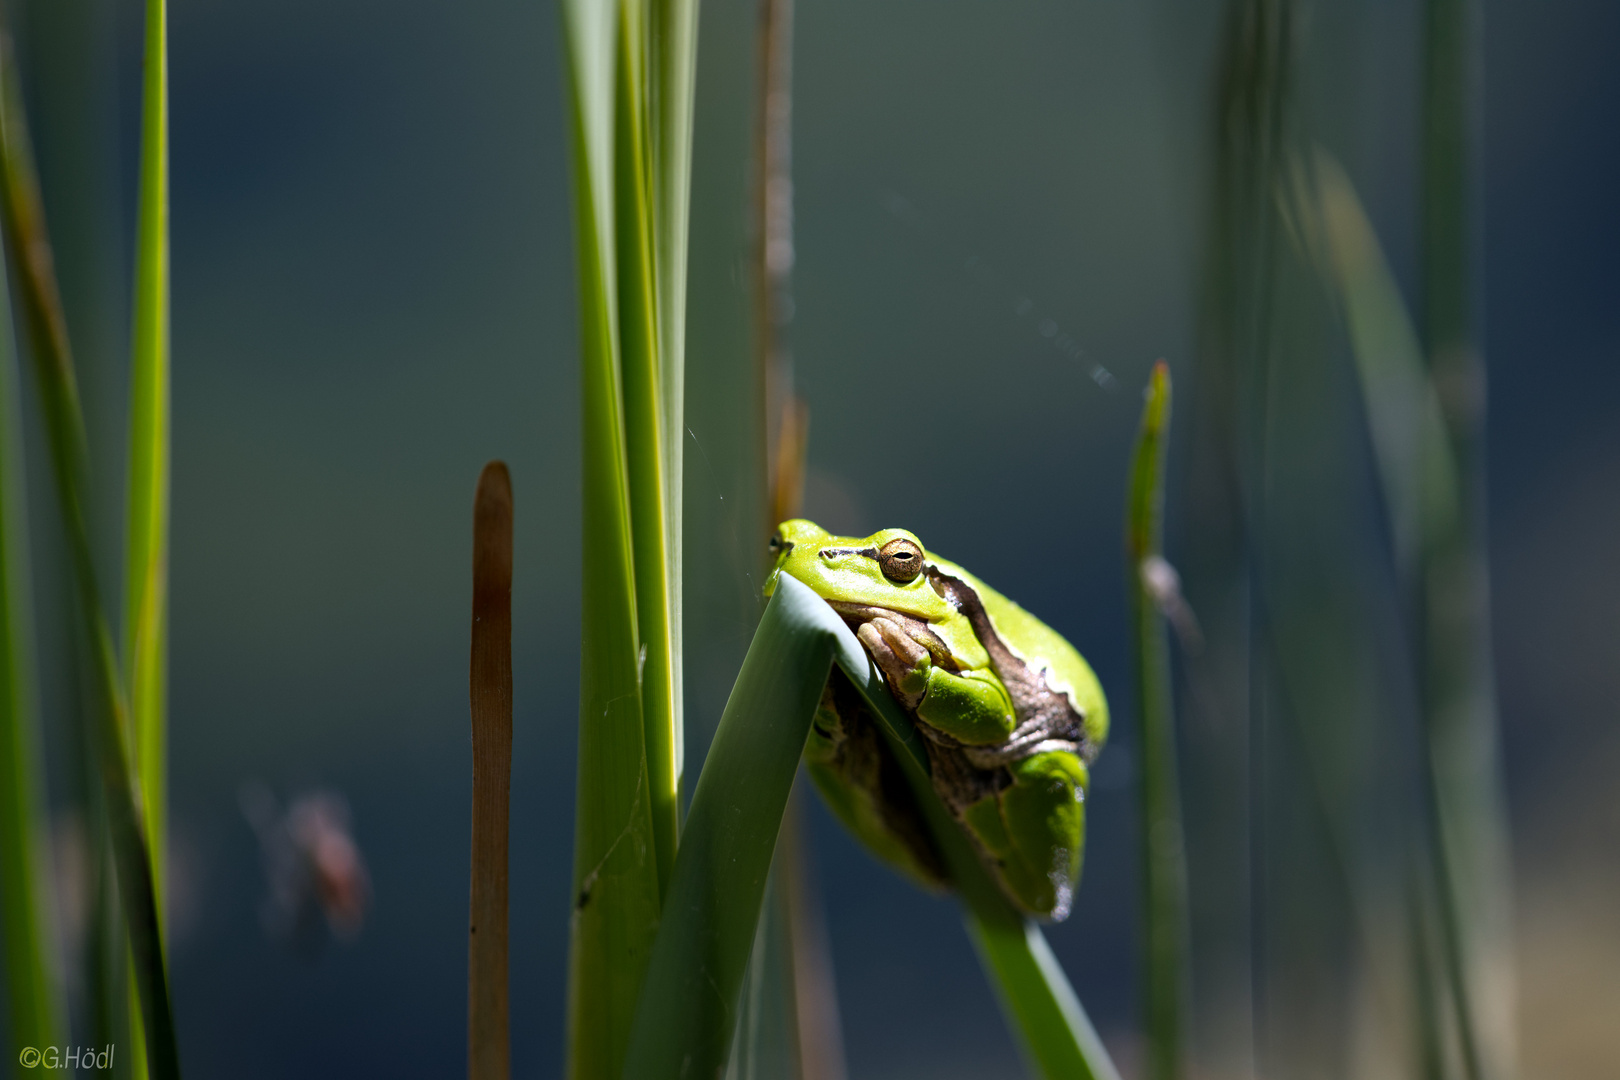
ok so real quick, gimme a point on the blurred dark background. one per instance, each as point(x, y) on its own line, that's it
point(1000, 216)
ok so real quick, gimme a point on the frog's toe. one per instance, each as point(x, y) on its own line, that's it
point(903, 662)
point(882, 655)
point(911, 652)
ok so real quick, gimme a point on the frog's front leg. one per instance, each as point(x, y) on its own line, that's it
point(971, 706)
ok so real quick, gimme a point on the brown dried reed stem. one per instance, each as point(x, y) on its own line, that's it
point(490, 697)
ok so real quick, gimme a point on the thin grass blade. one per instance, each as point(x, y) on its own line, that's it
point(1035, 994)
point(26, 893)
point(672, 77)
point(146, 565)
point(107, 718)
point(1457, 666)
point(616, 883)
point(688, 1009)
point(1152, 586)
point(146, 529)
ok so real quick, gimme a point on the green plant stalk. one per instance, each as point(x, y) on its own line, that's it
point(32, 987)
point(672, 55)
point(145, 641)
point(1055, 1033)
point(616, 883)
point(1164, 884)
point(644, 439)
point(1452, 588)
point(146, 544)
point(107, 718)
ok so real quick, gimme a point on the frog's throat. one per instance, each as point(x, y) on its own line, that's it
point(1047, 719)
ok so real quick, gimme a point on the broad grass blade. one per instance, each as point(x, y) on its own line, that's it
point(688, 1009)
point(616, 882)
point(812, 991)
point(764, 1043)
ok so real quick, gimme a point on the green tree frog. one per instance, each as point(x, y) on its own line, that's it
point(1011, 715)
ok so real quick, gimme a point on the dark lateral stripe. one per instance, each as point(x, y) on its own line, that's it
point(1023, 684)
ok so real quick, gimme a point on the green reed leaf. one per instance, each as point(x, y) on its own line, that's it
point(146, 562)
point(672, 77)
point(32, 990)
point(1151, 586)
point(107, 718)
point(689, 1003)
point(616, 882)
point(688, 1009)
point(645, 446)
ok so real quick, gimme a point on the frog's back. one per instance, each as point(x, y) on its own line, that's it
point(1039, 646)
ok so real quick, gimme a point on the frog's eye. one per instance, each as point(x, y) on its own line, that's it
point(778, 545)
point(901, 560)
